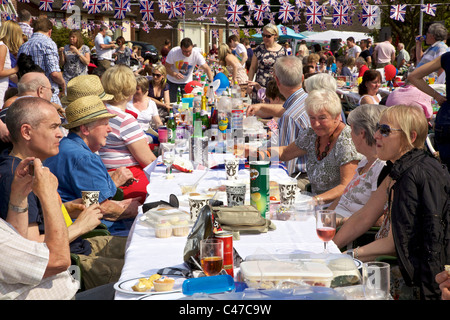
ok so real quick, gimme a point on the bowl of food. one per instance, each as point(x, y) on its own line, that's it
point(187, 188)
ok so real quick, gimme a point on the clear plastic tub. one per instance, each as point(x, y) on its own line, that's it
point(272, 274)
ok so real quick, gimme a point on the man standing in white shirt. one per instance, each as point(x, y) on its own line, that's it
point(353, 49)
point(180, 64)
point(238, 49)
point(104, 51)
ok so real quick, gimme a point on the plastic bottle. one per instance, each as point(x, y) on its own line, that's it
point(235, 90)
point(196, 106)
point(179, 96)
point(204, 115)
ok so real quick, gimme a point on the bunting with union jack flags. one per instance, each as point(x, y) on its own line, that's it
point(286, 12)
point(340, 15)
point(147, 10)
point(398, 12)
point(94, 6)
point(46, 5)
point(120, 8)
point(369, 16)
point(314, 14)
point(428, 9)
point(235, 12)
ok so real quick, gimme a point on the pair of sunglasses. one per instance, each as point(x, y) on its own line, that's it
point(156, 75)
point(385, 130)
point(267, 35)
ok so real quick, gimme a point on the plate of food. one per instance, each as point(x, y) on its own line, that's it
point(155, 284)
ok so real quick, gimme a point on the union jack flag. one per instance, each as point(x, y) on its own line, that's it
point(197, 6)
point(235, 32)
point(146, 28)
point(296, 28)
point(45, 5)
point(259, 12)
point(107, 5)
point(94, 6)
point(67, 4)
point(162, 6)
point(147, 10)
point(209, 8)
point(174, 9)
point(428, 9)
point(258, 30)
point(158, 25)
point(246, 32)
point(121, 7)
point(309, 27)
point(248, 20)
point(271, 17)
point(215, 33)
point(286, 12)
point(314, 14)
point(86, 4)
point(24, 1)
point(250, 4)
point(272, 124)
point(398, 12)
point(340, 15)
point(300, 4)
point(369, 16)
point(283, 30)
point(323, 26)
point(297, 16)
point(168, 26)
point(234, 13)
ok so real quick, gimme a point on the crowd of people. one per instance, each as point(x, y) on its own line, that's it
point(66, 129)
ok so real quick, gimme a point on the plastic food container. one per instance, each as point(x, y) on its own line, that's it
point(213, 284)
point(271, 274)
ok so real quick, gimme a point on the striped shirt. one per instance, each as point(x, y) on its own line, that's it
point(125, 130)
point(294, 120)
point(435, 50)
point(44, 53)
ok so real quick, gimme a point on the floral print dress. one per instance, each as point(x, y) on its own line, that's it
point(325, 174)
point(266, 60)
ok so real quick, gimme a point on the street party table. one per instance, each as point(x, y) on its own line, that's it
point(146, 254)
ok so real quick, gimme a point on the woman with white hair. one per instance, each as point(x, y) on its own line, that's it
point(332, 156)
point(363, 121)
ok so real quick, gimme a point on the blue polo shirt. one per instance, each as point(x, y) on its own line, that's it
point(79, 169)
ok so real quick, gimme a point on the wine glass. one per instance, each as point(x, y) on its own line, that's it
point(180, 146)
point(211, 256)
point(326, 226)
point(168, 156)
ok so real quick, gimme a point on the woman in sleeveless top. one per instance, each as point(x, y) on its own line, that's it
point(229, 60)
point(10, 41)
point(369, 86)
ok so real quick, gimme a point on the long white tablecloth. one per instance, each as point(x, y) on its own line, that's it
point(146, 254)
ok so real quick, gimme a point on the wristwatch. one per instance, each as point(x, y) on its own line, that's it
point(17, 209)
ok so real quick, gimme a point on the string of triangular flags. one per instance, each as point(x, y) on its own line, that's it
point(342, 11)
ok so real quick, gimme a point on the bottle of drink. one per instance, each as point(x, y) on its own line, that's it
point(204, 115)
point(196, 106)
point(235, 90)
point(179, 96)
point(171, 128)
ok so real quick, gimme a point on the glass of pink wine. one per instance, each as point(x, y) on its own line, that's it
point(326, 226)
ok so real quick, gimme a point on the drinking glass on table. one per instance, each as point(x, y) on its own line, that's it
point(211, 256)
point(181, 145)
point(168, 155)
point(326, 226)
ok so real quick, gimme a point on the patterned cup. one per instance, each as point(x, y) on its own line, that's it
point(232, 168)
point(90, 197)
point(235, 194)
point(196, 203)
point(288, 192)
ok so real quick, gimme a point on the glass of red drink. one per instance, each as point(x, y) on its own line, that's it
point(211, 256)
point(326, 226)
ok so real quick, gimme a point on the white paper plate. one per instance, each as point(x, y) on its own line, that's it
point(125, 286)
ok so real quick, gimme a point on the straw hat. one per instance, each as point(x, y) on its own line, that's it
point(85, 110)
point(85, 85)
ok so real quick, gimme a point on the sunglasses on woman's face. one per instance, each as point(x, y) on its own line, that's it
point(156, 75)
point(385, 130)
point(267, 35)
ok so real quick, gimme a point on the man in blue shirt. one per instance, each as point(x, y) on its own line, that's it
point(78, 168)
